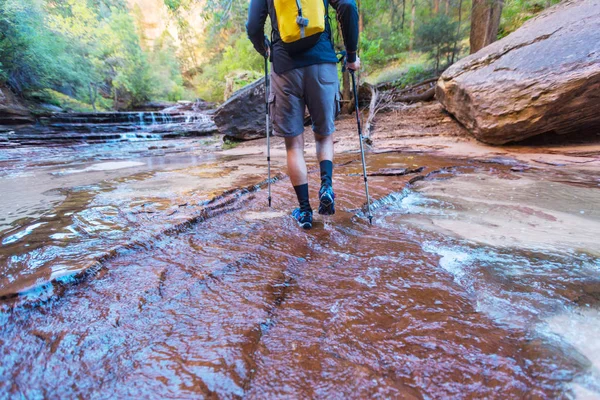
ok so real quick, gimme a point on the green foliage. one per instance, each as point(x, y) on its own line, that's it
point(516, 12)
point(238, 57)
point(67, 103)
point(241, 55)
point(129, 70)
point(165, 67)
point(384, 35)
point(31, 54)
point(438, 37)
point(372, 53)
point(174, 5)
point(416, 73)
point(410, 69)
point(88, 50)
point(225, 16)
point(229, 144)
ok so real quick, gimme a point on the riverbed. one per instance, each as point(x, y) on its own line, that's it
point(157, 269)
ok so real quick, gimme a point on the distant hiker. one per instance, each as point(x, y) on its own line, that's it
point(305, 74)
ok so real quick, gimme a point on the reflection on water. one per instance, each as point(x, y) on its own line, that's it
point(105, 166)
point(475, 282)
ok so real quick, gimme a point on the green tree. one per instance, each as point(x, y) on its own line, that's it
point(129, 70)
point(166, 69)
point(32, 55)
point(437, 37)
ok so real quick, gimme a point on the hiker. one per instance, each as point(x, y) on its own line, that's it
point(305, 74)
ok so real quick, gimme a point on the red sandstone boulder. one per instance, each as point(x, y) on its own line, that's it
point(542, 79)
point(242, 116)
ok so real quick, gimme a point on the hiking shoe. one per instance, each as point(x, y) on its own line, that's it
point(326, 200)
point(304, 218)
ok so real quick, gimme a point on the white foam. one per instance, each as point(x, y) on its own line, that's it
point(454, 260)
point(579, 328)
point(106, 166)
point(370, 278)
point(256, 215)
point(21, 234)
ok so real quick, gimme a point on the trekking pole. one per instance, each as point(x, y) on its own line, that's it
point(362, 148)
point(267, 117)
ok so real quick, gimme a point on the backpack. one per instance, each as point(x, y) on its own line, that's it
point(300, 23)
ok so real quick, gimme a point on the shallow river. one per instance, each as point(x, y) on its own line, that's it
point(138, 270)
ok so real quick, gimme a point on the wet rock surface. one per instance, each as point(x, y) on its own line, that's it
point(242, 116)
point(196, 106)
point(66, 128)
point(156, 269)
point(543, 79)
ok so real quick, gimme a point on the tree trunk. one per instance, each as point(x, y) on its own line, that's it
point(346, 90)
point(403, 13)
point(347, 98)
point(485, 21)
point(436, 7)
point(92, 96)
point(455, 49)
point(447, 7)
point(412, 24)
point(361, 20)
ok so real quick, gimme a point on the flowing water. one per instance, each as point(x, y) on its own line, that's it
point(157, 270)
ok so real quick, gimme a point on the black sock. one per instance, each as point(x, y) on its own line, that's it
point(326, 172)
point(302, 193)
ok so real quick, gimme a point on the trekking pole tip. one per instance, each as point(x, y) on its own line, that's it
point(370, 220)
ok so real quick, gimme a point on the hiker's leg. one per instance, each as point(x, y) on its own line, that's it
point(325, 156)
point(324, 147)
point(322, 95)
point(287, 114)
point(296, 165)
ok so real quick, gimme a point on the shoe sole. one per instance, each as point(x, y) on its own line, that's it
point(306, 225)
point(326, 206)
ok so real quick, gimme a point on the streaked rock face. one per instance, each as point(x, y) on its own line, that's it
point(12, 112)
point(543, 79)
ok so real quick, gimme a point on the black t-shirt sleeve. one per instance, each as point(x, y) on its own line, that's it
point(347, 16)
point(255, 26)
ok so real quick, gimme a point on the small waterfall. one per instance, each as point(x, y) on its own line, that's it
point(120, 126)
point(135, 137)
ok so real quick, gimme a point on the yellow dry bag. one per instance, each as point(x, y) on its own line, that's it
point(300, 22)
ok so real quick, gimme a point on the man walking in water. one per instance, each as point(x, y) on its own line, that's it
point(305, 74)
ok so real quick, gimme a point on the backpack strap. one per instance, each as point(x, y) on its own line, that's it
point(300, 20)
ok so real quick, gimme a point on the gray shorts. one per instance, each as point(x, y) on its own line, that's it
point(316, 87)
